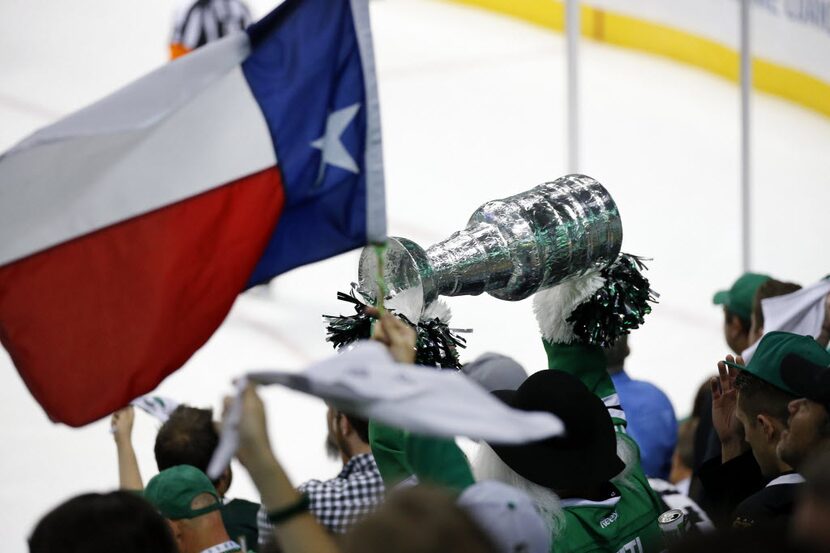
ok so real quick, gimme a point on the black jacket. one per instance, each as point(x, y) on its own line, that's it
point(773, 505)
point(728, 484)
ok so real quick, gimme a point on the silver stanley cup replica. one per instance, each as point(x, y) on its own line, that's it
point(510, 249)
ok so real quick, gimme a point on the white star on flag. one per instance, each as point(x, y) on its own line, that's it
point(334, 152)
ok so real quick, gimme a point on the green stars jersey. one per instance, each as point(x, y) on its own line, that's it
point(623, 524)
point(626, 523)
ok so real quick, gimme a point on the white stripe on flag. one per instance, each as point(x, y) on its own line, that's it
point(85, 173)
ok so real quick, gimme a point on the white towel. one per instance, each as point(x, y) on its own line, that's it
point(801, 312)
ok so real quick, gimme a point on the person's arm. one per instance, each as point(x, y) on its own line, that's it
point(587, 363)
point(389, 450)
point(400, 454)
point(389, 444)
point(301, 532)
point(439, 462)
point(129, 476)
point(568, 354)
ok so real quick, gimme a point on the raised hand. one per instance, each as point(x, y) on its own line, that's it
point(399, 337)
point(300, 533)
point(121, 423)
point(254, 445)
point(724, 404)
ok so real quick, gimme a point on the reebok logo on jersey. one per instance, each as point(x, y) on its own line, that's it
point(608, 521)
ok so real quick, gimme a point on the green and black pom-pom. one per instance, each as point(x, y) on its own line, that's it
point(342, 330)
point(618, 307)
point(437, 344)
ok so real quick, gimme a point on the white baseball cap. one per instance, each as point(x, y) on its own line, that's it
point(508, 516)
point(494, 371)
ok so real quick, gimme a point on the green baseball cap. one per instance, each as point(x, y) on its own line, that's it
point(740, 297)
point(767, 362)
point(173, 490)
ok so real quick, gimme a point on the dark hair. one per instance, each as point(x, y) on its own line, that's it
point(102, 523)
point(770, 289)
point(360, 426)
point(189, 437)
point(731, 315)
point(703, 400)
point(418, 520)
point(686, 441)
point(615, 355)
point(757, 397)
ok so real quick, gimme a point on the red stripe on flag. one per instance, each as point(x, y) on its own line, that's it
point(97, 321)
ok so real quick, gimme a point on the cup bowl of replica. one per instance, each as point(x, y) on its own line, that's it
point(511, 248)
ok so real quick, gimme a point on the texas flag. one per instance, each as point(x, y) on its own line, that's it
point(129, 228)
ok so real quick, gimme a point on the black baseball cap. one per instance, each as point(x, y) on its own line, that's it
point(808, 378)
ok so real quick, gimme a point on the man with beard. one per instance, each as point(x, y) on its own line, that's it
point(355, 492)
point(807, 373)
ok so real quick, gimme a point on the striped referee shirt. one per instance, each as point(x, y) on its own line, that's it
point(201, 21)
point(340, 502)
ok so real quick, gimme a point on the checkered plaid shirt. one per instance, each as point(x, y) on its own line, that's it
point(340, 502)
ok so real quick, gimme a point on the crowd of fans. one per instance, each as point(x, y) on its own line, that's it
point(747, 471)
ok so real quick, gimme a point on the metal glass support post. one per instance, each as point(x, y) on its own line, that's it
point(746, 158)
point(572, 27)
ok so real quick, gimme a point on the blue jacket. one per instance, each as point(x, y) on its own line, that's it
point(651, 422)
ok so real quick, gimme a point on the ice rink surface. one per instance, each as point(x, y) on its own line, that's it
point(473, 109)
